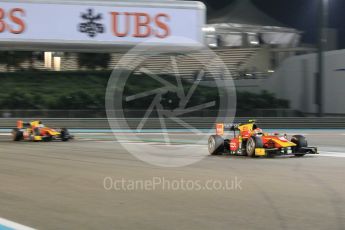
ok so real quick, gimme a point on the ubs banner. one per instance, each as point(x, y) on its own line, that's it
point(119, 23)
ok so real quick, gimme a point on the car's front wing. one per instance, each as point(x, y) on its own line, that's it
point(284, 151)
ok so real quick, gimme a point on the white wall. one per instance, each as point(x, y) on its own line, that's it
point(294, 80)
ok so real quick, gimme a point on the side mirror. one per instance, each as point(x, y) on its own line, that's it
point(232, 128)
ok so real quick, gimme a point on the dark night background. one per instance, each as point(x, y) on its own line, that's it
point(299, 14)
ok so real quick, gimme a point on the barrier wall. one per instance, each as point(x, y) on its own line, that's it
point(200, 123)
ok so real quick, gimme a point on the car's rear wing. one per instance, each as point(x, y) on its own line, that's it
point(220, 128)
point(21, 124)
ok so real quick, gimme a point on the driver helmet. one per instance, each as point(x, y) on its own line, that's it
point(258, 131)
point(40, 124)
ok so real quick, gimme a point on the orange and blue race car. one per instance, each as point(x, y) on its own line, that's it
point(249, 140)
point(36, 131)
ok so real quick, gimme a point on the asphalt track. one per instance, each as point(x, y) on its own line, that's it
point(61, 186)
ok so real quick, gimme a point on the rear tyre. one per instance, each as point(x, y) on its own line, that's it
point(300, 142)
point(17, 135)
point(64, 135)
point(252, 144)
point(215, 145)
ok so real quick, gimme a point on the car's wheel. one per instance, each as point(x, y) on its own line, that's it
point(64, 135)
point(17, 135)
point(47, 138)
point(252, 144)
point(215, 145)
point(300, 142)
point(37, 132)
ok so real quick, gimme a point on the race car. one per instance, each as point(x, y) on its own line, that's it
point(36, 131)
point(249, 140)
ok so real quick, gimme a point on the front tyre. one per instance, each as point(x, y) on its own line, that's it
point(64, 135)
point(215, 145)
point(300, 142)
point(252, 144)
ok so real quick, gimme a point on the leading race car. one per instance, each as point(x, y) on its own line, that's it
point(36, 131)
point(249, 140)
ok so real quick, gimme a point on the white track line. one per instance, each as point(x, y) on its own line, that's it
point(6, 224)
point(332, 154)
point(153, 143)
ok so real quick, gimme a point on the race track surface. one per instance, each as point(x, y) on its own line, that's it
point(61, 186)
